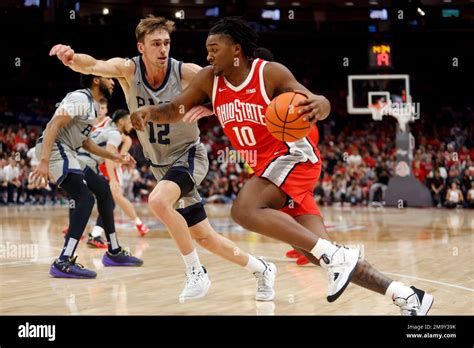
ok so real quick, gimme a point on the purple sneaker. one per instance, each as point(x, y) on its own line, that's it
point(122, 258)
point(70, 269)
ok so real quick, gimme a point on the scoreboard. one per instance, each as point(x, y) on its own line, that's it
point(380, 56)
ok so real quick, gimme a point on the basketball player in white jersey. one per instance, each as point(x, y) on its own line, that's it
point(67, 131)
point(110, 128)
point(176, 156)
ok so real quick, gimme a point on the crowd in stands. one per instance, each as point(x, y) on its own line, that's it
point(358, 159)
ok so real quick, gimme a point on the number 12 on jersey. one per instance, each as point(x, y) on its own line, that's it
point(160, 135)
point(244, 136)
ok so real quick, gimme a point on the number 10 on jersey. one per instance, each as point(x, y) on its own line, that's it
point(244, 136)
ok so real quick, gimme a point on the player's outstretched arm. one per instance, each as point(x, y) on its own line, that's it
point(85, 64)
point(278, 79)
point(95, 149)
point(195, 94)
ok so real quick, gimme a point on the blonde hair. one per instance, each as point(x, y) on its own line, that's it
point(150, 24)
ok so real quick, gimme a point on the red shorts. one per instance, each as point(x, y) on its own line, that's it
point(117, 173)
point(298, 182)
point(299, 186)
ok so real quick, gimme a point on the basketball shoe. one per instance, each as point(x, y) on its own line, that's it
point(122, 258)
point(96, 242)
point(196, 285)
point(142, 229)
point(292, 254)
point(265, 282)
point(70, 269)
point(418, 303)
point(302, 260)
point(340, 267)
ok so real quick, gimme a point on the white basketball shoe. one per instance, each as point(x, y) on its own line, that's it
point(418, 303)
point(265, 282)
point(196, 285)
point(340, 267)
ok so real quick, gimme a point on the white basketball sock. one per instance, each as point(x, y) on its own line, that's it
point(397, 289)
point(323, 246)
point(192, 260)
point(138, 221)
point(97, 231)
point(255, 265)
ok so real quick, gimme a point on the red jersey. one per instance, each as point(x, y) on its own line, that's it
point(241, 113)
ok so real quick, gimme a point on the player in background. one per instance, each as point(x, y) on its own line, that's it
point(177, 158)
point(110, 136)
point(278, 200)
point(68, 130)
point(102, 117)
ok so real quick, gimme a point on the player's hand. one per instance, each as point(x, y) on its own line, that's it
point(64, 53)
point(140, 117)
point(317, 107)
point(123, 158)
point(41, 175)
point(196, 113)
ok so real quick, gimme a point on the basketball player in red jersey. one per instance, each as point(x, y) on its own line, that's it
point(278, 200)
point(265, 54)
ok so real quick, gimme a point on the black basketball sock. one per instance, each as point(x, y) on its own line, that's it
point(105, 205)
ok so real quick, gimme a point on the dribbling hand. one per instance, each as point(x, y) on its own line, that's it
point(317, 107)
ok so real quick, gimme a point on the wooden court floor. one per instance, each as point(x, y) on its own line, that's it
point(429, 248)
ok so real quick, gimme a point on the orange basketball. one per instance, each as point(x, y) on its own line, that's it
point(282, 118)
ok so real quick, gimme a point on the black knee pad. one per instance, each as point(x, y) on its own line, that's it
point(181, 177)
point(193, 214)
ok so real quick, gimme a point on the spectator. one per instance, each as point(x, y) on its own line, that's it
point(436, 186)
point(339, 190)
point(454, 198)
point(470, 196)
point(12, 177)
point(381, 183)
point(354, 193)
point(3, 181)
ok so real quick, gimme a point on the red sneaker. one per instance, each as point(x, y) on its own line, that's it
point(97, 242)
point(302, 260)
point(293, 254)
point(65, 231)
point(142, 229)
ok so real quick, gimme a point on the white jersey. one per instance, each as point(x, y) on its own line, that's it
point(82, 108)
point(162, 144)
point(107, 134)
